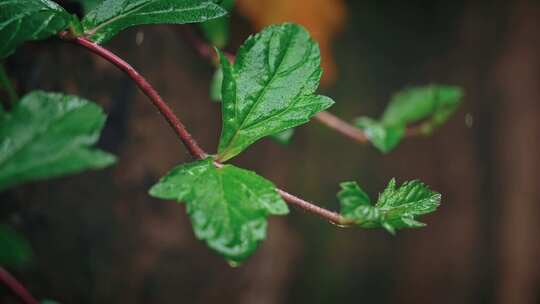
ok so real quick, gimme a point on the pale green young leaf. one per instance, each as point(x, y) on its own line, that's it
point(112, 16)
point(355, 204)
point(396, 208)
point(434, 103)
point(384, 138)
point(228, 206)
point(47, 135)
point(430, 106)
point(270, 88)
point(15, 251)
point(25, 20)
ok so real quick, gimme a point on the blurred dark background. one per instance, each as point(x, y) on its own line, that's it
point(99, 238)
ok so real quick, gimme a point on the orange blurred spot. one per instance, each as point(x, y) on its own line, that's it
point(322, 18)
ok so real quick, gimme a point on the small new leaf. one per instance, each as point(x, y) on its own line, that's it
point(430, 106)
point(25, 20)
point(396, 208)
point(228, 206)
point(384, 138)
point(270, 87)
point(47, 135)
point(112, 16)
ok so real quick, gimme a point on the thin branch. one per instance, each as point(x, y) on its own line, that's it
point(16, 287)
point(333, 122)
point(180, 129)
point(331, 216)
point(202, 49)
point(194, 149)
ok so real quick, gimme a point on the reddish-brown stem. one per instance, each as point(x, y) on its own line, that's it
point(147, 89)
point(331, 216)
point(204, 50)
point(343, 127)
point(179, 128)
point(17, 288)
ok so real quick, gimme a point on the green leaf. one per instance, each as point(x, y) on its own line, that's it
point(396, 208)
point(217, 30)
point(6, 85)
point(113, 16)
point(384, 138)
point(89, 5)
point(429, 105)
point(215, 85)
point(48, 135)
point(283, 137)
point(434, 103)
point(25, 20)
point(49, 302)
point(15, 251)
point(270, 88)
point(228, 206)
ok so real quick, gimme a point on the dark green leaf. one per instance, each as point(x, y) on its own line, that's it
point(48, 135)
point(430, 105)
point(113, 16)
point(15, 251)
point(217, 30)
point(89, 5)
point(283, 137)
point(228, 206)
point(270, 88)
point(24, 20)
point(396, 208)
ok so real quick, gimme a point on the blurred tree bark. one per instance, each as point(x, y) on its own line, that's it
point(99, 238)
point(517, 74)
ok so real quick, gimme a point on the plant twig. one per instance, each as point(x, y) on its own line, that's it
point(193, 147)
point(331, 216)
point(180, 129)
point(16, 287)
point(343, 127)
